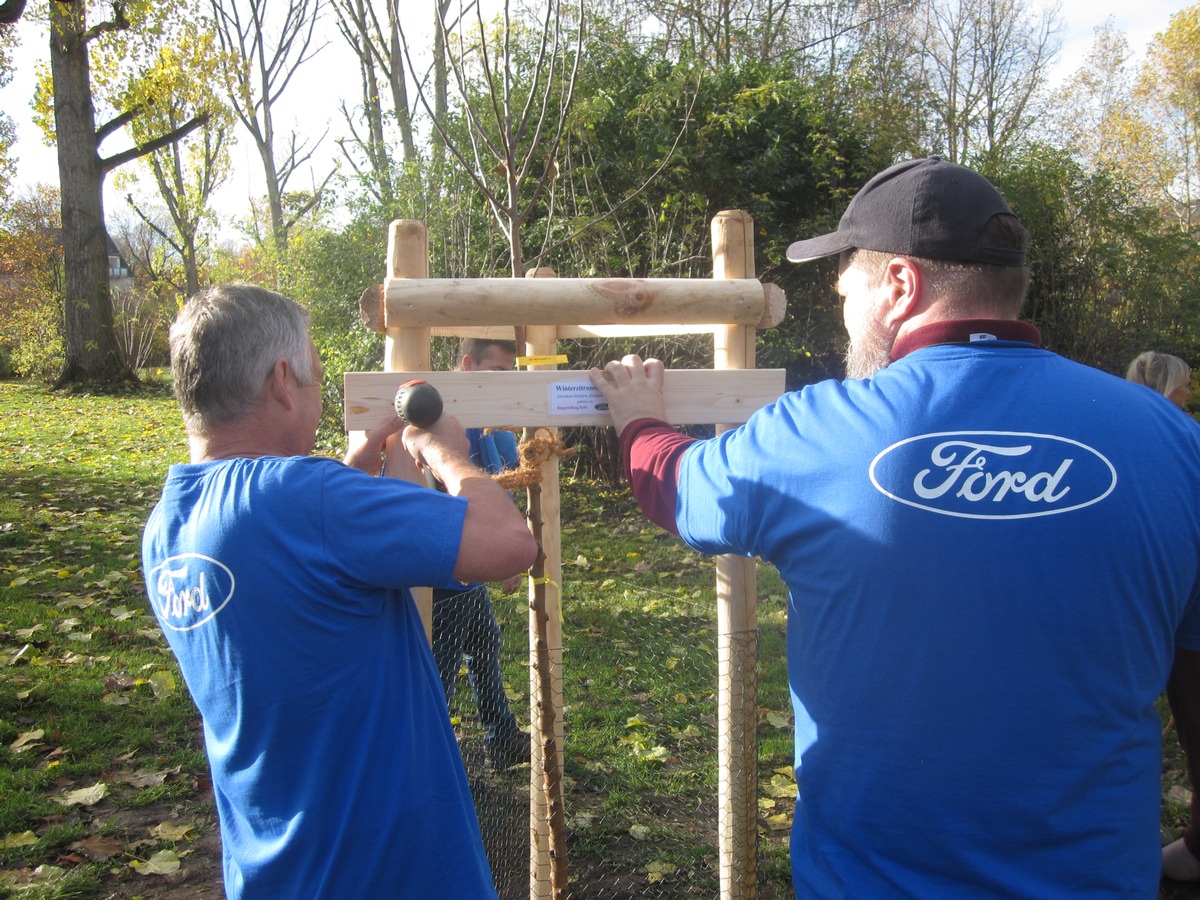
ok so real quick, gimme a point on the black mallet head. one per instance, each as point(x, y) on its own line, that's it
point(418, 403)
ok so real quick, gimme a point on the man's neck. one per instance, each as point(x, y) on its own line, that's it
point(964, 331)
point(242, 440)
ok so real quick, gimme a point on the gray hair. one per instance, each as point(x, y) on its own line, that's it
point(224, 344)
point(1161, 371)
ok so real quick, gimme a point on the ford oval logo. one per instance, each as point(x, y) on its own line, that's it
point(993, 474)
point(188, 590)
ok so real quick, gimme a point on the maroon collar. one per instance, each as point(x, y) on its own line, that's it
point(965, 331)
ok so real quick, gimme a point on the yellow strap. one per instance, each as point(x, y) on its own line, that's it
point(558, 360)
point(548, 580)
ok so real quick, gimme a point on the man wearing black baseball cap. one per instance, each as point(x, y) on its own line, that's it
point(990, 552)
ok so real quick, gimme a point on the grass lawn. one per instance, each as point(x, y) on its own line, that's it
point(104, 788)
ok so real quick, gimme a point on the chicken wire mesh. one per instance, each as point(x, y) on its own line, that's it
point(641, 780)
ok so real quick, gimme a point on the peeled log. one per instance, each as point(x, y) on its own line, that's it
point(434, 302)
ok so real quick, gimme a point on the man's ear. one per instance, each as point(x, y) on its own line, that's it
point(905, 289)
point(465, 363)
point(277, 384)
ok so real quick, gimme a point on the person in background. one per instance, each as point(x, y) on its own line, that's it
point(974, 648)
point(463, 621)
point(1169, 375)
point(1172, 377)
point(281, 583)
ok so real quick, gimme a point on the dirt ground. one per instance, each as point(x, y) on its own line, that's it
point(199, 873)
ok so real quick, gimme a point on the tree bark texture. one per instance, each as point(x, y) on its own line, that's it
point(92, 353)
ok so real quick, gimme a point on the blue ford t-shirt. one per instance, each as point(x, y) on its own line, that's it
point(279, 584)
point(950, 531)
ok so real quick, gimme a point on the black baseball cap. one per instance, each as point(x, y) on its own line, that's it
point(927, 208)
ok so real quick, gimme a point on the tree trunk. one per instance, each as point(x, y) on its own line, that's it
point(399, 86)
point(92, 353)
point(441, 79)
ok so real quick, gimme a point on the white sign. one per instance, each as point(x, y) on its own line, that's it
point(574, 397)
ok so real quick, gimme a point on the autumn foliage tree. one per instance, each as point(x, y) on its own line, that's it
point(92, 354)
point(1168, 90)
point(31, 284)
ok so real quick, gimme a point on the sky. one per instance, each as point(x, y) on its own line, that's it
point(1139, 21)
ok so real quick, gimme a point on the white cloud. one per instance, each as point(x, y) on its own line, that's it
point(1139, 21)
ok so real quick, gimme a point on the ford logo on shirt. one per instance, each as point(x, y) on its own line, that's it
point(993, 474)
point(188, 590)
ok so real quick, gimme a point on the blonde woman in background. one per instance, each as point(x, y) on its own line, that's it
point(1169, 375)
point(1172, 377)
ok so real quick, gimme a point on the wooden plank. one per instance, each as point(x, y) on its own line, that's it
point(434, 302)
point(567, 332)
point(560, 398)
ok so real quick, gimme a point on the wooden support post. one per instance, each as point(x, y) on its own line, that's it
point(408, 312)
point(547, 816)
point(407, 350)
point(737, 625)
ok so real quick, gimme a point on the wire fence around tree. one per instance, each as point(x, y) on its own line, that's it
point(640, 668)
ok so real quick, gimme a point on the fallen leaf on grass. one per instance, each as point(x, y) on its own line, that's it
point(639, 832)
point(171, 831)
point(21, 880)
point(27, 739)
point(145, 779)
point(164, 862)
point(98, 847)
point(21, 839)
point(781, 786)
point(779, 720)
point(581, 821)
point(655, 753)
point(88, 796)
point(120, 681)
point(47, 873)
point(658, 871)
point(20, 656)
point(163, 684)
point(779, 822)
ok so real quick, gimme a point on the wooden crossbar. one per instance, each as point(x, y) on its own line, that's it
point(561, 398)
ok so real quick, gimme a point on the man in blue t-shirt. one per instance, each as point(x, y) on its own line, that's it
point(463, 621)
point(281, 581)
point(991, 554)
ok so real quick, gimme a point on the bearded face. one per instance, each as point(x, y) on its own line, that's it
point(871, 338)
point(869, 353)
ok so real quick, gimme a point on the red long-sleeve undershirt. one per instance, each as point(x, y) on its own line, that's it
point(652, 450)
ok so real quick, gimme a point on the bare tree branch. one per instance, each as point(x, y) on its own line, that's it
point(107, 164)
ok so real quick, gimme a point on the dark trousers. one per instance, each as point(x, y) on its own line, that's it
point(465, 626)
point(1183, 696)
